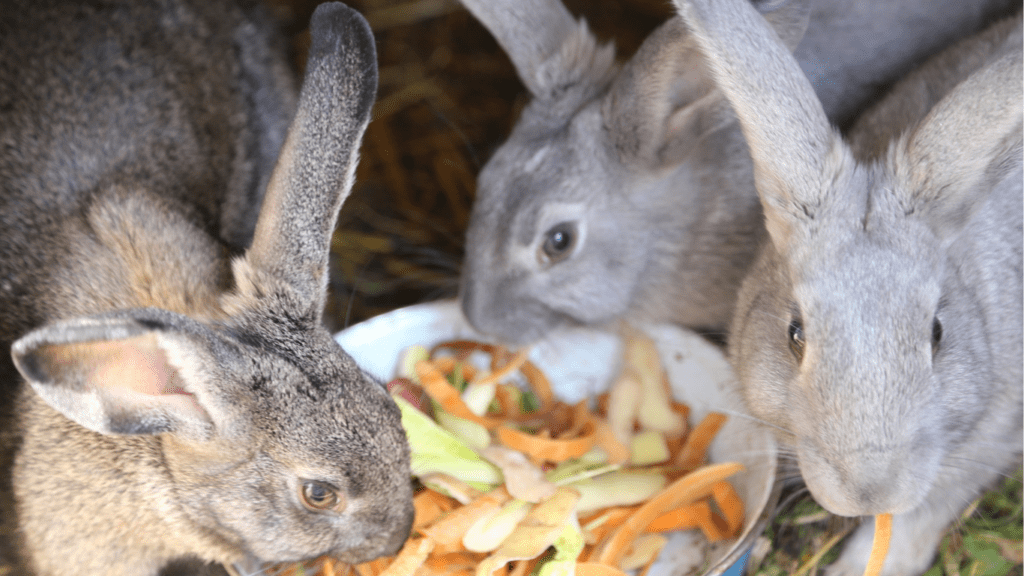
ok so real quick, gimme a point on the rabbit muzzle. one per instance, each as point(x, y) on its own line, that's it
point(870, 478)
point(513, 319)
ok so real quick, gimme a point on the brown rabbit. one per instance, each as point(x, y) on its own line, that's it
point(178, 405)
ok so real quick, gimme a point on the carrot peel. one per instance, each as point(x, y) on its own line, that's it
point(879, 545)
point(685, 490)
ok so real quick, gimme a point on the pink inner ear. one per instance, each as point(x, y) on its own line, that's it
point(133, 370)
point(136, 364)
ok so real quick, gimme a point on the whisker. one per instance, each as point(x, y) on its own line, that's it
point(746, 416)
point(977, 465)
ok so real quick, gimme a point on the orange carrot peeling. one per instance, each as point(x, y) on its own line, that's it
point(685, 490)
point(879, 545)
point(437, 387)
point(692, 453)
point(411, 557)
point(731, 505)
point(550, 449)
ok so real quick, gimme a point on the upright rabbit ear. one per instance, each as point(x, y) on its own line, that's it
point(117, 375)
point(665, 99)
point(316, 168)
point(796, 153)
point(968, 142)
point(548, 48)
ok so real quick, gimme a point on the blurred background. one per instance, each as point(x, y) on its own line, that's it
point(448, 96)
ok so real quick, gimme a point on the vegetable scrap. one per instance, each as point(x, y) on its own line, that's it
point(514, 482)
point(879, 545)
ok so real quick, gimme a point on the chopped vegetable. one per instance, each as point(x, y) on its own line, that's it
point(541, 526)
point(623, 403)
point(568, 547)
point(474, 435)
point(687, 489)
point(523, 480)
point(434, 449)
point(411, 557)
point(551, 449)
point(507, 473)
point(731, 505)
point(449, 531)
point(643, 551)
point(648, 447)
point(491, 530)
point(654, 410)
point(605, 438)
point(692, 453)
point(407, 362)
point(430, 505)
point(880, 544)
point(620, 488)
point(435, 384)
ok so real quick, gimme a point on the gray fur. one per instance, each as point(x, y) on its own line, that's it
point(648, 161)
point(175, 398)
point(868, 248)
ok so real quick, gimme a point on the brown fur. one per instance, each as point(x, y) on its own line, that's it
point(176, 388)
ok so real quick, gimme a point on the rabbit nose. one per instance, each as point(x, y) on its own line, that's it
point(865, 482)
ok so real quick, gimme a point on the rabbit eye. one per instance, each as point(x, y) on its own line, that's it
point(936, 334)
point(559, 241)
point(320, 496)
point(796, 339)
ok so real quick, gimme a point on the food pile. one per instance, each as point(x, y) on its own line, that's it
point(515, 482)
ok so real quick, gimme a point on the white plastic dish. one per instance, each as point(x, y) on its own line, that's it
point(581, 363)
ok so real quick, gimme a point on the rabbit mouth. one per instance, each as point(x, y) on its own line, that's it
point(867, 482)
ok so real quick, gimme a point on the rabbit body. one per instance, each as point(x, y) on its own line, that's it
point(176, 397)
point(628, 192)
point(879, 330)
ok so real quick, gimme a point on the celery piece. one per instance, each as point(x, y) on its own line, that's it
point(593, 463)
point(458, 379)
point(463, 469)
point(568, 547)
point(648, 447)
point(621, 488)
point(489, 532)
point(528, 401)
point(434, 449)
point(478, 397)
point(473, 434)
point(407, 362)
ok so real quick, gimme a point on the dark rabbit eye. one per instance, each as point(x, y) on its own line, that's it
point(559, 241)
point(320, 496)
point(796, 339)
point(936, 334)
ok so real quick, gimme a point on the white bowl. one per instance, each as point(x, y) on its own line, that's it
point(581, 363)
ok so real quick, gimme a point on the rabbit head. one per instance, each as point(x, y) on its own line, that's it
point(879, 330)
point(600, 204)
point(234, 430)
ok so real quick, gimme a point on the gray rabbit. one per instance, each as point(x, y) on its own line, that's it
point(628, 192)
point(181, 402)
point(879, 330)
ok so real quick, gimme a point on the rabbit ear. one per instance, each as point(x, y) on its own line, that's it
point(968, 142)
point(665, 99)
point(789, 18)
point(317, 164)
point(794, 149)
point(548, 48)
point(120, 375)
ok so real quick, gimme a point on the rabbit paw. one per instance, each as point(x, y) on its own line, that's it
point(907, 556)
